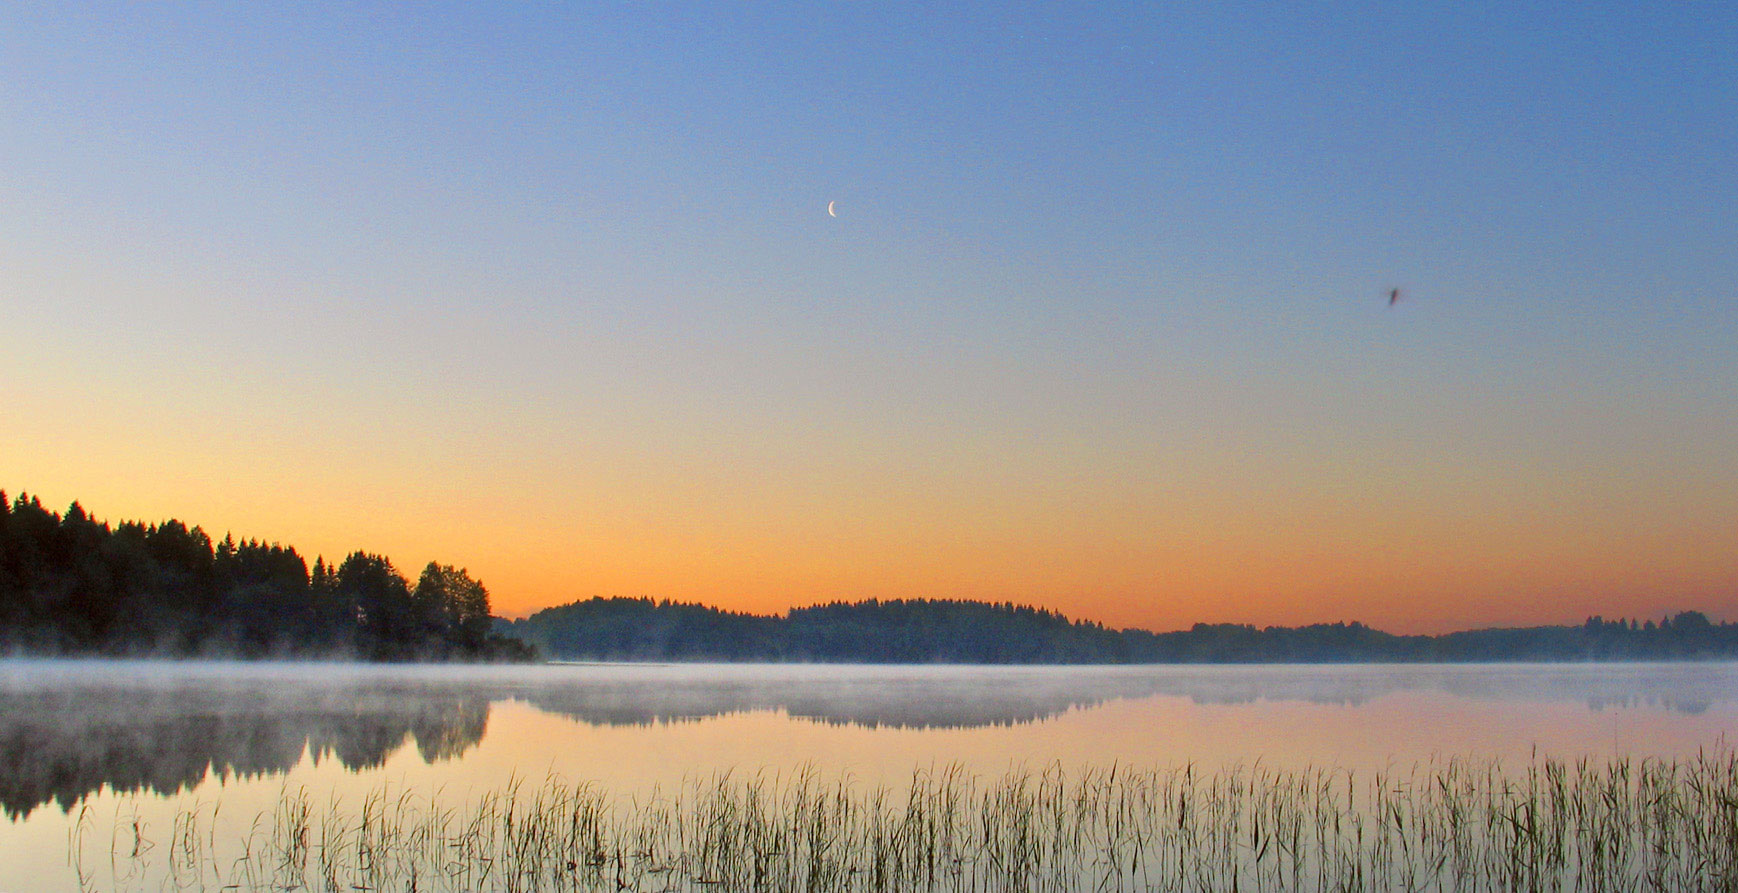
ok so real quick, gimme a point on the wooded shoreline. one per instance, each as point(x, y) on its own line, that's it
point(73, 585)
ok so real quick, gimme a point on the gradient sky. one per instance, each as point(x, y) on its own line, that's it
point(550, 292)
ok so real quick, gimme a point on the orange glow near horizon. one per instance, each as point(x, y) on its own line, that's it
point(1148, 496)
point(1086, 308)
point(1115, 547)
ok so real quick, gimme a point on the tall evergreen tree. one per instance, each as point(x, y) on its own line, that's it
point(71, 584)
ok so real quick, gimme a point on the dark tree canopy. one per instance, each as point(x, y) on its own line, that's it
point(942, 631)
point(70, 584)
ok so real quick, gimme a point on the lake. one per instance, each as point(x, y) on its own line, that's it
point(106, 758)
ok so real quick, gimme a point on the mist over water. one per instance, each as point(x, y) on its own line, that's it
point(107, 740)
point(69, 729)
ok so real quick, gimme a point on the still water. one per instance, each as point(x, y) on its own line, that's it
point(110, 745)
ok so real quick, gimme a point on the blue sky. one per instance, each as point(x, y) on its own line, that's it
point(1106, 263)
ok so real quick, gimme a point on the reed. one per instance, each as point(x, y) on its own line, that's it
point(1448, 825)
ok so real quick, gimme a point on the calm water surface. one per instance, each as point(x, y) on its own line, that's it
point(117, 743)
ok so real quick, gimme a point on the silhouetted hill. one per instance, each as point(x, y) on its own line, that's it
point(70, 584)
point(943, 631)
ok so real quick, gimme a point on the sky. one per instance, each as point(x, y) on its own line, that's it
point(551, 292)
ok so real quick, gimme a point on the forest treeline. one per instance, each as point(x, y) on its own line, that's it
point(73, 585)
point(940, 631)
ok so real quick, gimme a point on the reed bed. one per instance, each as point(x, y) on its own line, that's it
point(1447, 825)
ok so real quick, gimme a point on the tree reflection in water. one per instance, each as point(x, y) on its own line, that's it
point(70, 729)
point(62, 744)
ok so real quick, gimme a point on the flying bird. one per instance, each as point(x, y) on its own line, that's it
point(1393, 296)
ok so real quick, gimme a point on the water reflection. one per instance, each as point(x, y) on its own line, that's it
point(913, 700)
point(61, 743)
point(69, 730)
point(958, 697)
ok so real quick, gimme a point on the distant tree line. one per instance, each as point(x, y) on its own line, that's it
point(1688, 635)
point(941, 631)
point(875, 631)
point(72, 585)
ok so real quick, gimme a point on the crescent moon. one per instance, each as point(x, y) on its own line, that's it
point(830, 209)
